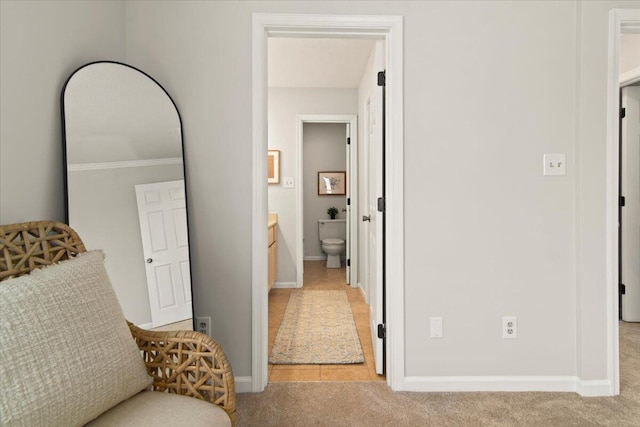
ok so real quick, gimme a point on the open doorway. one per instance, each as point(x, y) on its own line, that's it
point(324, 154)
point(389, 29)
point(622, 22)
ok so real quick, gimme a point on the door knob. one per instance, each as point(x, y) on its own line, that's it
point(149, 260)
point(366, 218)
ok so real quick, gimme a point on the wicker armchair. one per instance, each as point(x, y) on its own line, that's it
point(181, 362)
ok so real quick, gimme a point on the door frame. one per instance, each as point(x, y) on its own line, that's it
point(352, 182)
point(339, 26)
point(620, 20)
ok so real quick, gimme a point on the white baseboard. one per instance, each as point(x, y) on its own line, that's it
point(589, 388)
point(243, 384)
point(145, 326)
point(366, 297)
point(315, 258)
point(285, 285)
point(506, 383)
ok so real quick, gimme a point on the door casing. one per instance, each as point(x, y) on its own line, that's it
point(389, 28)
point(352, 182)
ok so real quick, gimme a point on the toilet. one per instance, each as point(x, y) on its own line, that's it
point(332, 234)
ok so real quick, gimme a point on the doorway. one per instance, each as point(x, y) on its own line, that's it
point(622, 21)
point(388, 28)
point(351, 192)
point(326, 149)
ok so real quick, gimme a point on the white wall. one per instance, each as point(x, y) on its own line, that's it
point(486, 235)
point(284, 105)
point(324, 149)
point(41, 44)
point(629, 52)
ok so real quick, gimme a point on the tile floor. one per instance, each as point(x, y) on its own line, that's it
point(317, 276)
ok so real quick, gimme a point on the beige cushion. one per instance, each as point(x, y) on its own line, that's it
point(153, 408)
point(66, 353)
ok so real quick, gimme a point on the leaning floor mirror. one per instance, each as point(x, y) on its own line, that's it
point(125, 188)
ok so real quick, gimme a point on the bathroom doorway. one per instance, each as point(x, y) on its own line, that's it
point(389, 31)
point(324, 207)
point(327, 148)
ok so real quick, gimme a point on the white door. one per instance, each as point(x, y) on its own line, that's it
point(165, 242)
point(348, 196)
point(375, 228)
point(630, 212)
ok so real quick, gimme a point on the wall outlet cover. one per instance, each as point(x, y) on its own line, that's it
point(203, 325)
point(436, 327)
point(509, 327)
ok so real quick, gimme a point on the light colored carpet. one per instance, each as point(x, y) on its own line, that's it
point(317, 328)
point(374, 404)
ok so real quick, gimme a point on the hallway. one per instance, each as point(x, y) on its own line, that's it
point(317, 276)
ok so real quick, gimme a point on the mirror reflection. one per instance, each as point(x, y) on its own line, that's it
point(126, 188)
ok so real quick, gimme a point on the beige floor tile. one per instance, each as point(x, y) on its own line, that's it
point(295, 374)
point(336, 373)
point(290, 367)
point(279, 298)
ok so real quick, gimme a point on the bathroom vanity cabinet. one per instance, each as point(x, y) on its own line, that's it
point(273, 250)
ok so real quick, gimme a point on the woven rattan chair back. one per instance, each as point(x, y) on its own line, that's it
point(181, 362)
point(30, 245)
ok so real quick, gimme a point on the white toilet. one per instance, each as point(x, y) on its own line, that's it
point(332, 234)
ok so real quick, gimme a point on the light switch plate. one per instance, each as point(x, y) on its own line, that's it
point(287, 182)
point(554, 164)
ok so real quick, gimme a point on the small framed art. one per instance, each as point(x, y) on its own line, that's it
point(273, 166)
point(332, 183)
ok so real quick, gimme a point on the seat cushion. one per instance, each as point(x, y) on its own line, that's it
point(66, 352)
point(153, 408)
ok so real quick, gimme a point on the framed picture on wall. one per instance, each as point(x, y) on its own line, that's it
point(273, 166)
point(332, 183)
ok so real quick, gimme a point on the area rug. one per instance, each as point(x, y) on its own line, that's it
point(317, 328)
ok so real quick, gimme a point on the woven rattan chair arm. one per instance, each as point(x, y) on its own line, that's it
point(188, 363)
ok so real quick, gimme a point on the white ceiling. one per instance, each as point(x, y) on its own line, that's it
point(316, 62)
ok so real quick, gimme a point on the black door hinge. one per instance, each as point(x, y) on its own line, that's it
point(622, 201)
point(348, 263)
point(382, 78)
point(381, 205)
point(623, 113)
point(348, 201)
point(349, 141)
point(623, 289)
point(382, 333)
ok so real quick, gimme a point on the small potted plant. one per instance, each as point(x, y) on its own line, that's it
point(332, 212)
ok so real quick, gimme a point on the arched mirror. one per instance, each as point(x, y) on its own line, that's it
point(125, 188)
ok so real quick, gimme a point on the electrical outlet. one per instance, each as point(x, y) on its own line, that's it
point(436, 327)
point(509, 327)
point(203, 325)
